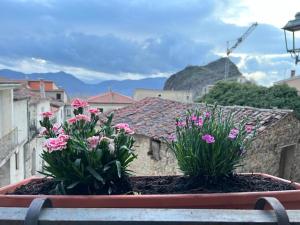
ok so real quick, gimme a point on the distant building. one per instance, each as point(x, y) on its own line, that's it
point(21, 105)
point(240, 79)
point(109, 101)
point(49, 89)
point(293, 81)
point(180, 96)
point(275, 149)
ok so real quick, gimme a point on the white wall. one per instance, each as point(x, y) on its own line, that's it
point(60, 115)
point(36, 110)
point(6, 111)
point(21, 119)
point(17, 171)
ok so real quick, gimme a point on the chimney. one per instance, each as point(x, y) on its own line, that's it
point(42, 88)
point(293, 73)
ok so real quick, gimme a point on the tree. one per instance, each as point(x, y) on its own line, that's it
point(232, 93)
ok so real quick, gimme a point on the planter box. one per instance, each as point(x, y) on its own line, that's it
point(241, 200)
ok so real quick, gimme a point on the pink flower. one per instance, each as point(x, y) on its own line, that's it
point(248, 128)
point(47, 114)
point(94, 111)
point(172, 137)
point(125, 127)
point(93, 141)
point(72, 120)
point(129, 130)
point(78, 103)
point(180, 124)
point(83, 117)
point(194, 118)
point(55, 144)
point(120, 126)
point(57, 129)
point(233, 133)
point(207, 114)
point(63, 137)
point(199, 122)
point(208, 138)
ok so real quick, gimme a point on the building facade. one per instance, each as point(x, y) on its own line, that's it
point(180, 96)
point(292, 81)
point(109, 101)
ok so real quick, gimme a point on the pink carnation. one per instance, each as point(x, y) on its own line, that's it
point(56, 144)
point(72, 120)
point(207, 114)
point(180, 124)
point(208, 138)
point(172, 137)
point(199, 122)
point(125, 127)
point(64, 137)
point(248, 128)
point(47, 114)
point(57, 129)
point(233, 133)
point(121, 126)
point(94, 111)
point(78, 103)
point(93, 141)
point(194, 118)
point(82, 117)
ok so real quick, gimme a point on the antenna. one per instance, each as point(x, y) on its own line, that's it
point(229, 49)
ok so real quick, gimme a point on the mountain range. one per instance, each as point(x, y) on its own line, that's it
point(75, 87)
point(195, 78)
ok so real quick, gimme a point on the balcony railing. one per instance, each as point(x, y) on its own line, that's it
point(8, 143)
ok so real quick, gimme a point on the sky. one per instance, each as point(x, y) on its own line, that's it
point(135, 39)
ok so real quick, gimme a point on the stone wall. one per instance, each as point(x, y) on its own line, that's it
point(162, 162)
point(266, 151)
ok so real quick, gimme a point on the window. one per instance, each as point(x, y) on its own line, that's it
point(68, 112)
point(154, 149)
point(17, 160)
point(286, 161)
point(58, 96)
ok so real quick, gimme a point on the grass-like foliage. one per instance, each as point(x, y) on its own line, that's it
point(83, 159)
point(209, 144)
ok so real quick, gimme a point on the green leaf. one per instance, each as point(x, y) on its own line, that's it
point(95, 174)
point(119, 168)
point(74, 184)
point(77, 162)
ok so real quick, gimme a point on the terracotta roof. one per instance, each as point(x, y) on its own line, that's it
point(155, 117)
point(110, 98)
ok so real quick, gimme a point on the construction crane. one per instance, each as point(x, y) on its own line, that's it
point(237, 43)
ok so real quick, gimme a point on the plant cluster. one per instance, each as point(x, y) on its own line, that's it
point(232, 93)
point(210, 145)
point(83, 159)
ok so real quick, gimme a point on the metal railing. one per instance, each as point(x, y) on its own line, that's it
point(8, 143)
point(35, 214)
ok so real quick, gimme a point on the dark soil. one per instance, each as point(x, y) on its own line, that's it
point(174, 185)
